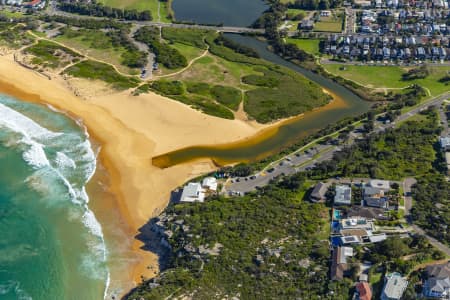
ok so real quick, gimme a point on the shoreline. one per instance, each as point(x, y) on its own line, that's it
point(142, 190)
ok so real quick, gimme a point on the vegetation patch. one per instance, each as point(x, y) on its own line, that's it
point(52, 55)
point(192, 37)
point(15, 36)
point(293, 95)
point(166, 55)
point(266, 245)
point(310, 46)
point(113, 46)
point(99, 71)
point(212, 100)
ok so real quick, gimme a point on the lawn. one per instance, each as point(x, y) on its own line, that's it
point(189, 52)
point(98, 71)
point(369, 76)
point(308, 45)
point(142, 5)
point(330, 24)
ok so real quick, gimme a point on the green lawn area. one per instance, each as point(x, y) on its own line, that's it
point(391, 76)
point(213, 69)
point(308, 45)
point(330, 24)
point(187, 51)
point(142, 5)
point(98, 45)
point(292, 12)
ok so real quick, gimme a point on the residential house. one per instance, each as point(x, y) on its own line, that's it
point(343, 195)
point(325, 13)
point(306, 25)
point(445, 143)
point(437, 284)
point(394, 286)
point(339, 264)
point(370, 213)
point(193, 192)
point(363, 291)
point(318, 193)
point(374, 193)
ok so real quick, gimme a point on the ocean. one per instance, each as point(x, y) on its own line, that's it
point(51, 243)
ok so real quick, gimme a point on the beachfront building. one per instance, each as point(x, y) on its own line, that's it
point(210, 184)
point(193, 192)
point(343, 195)
point(394, 286)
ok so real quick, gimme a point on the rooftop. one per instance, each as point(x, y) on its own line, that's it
point(343, 195)
point(394, 286)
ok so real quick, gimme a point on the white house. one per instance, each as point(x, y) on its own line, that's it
point(210, 183)
point(193, 192)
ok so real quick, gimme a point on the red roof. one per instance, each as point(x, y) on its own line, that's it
point(364, 291)
point(33, 3)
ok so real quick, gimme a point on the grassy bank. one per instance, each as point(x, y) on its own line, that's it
point(98, 71)
point(369, 76)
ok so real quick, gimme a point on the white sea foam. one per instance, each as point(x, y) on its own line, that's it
point(9, 286)
point(20, 123)
point(74, 160)
point(63, 161)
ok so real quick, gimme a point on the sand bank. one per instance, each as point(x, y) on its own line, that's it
point(131, 130)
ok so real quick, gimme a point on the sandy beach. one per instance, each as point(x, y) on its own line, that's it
point(131, 130)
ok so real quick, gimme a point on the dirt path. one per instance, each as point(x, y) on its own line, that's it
point(185, 68)
point(82, 54)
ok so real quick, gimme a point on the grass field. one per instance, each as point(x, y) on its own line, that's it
point(390, 76)
point(330, 24)
point(308, 45)
point(142, 5)
point(98, 45)
point(187, 51)
point(98, 71)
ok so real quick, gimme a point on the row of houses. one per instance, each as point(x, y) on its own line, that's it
point(386, 53)
point(34, 4)
point(422, 4)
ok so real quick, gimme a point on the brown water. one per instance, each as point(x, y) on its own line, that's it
point(274, 139)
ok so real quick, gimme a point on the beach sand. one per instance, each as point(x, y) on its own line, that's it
point(131, 130)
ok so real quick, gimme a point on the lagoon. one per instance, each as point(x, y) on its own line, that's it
point(230, 13)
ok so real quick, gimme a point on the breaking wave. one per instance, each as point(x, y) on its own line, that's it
point(62, 163)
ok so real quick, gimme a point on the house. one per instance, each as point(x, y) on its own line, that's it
point(325, 13)
point(370, 213)
point(210, 184)
point(394, 286)
point(343, 195)
point(363, 291)
point(437, 284)
point(339, 264)
point(374, 193)
point(445, 143)
point(306, 25)
point(356, 223)
point(350, 239)
point(193, 192)
point(318, 193)
point(374, 197)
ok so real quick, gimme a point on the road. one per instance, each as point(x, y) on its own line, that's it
point(302, 160)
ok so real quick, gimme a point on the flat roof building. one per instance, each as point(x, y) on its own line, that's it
point(193, 192)
point(343, 195)
point(210, 183)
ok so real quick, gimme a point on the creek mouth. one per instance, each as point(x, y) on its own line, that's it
point(273, 139)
